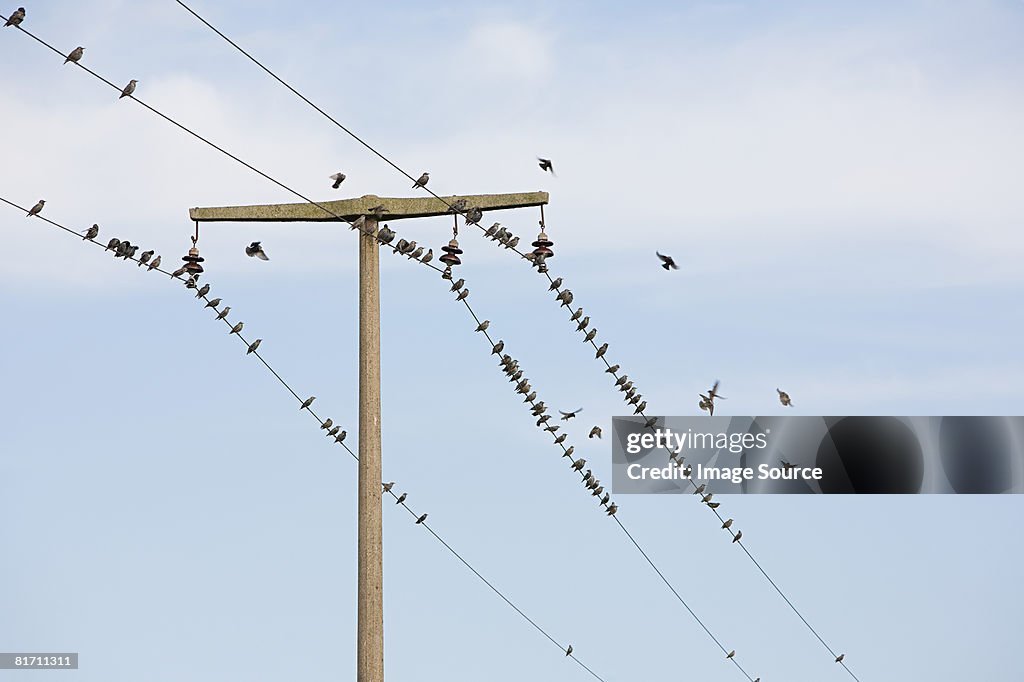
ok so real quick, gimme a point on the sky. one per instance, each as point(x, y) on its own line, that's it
point(838, 183)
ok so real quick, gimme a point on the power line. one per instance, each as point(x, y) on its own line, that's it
point(322, 423)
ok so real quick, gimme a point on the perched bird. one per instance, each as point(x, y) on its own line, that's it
point(714, 505)
point(576, 315)
point(378, 210)
point(667, 262)
point(203, 291)
point(333, 432)
point(415, 255)
point(566, 416)
point(458, 284)
point(338, 179)
point(75, 55)
point(840, 657)
point(727, 524)
point(212, 303)
point(546, 165)
point(237, 328)
point(651, 421)
point(254, 250)
point(129, 89)
point(613, 369)
point(421, 519)
point(113, 244)
point(401, 498)
point(512, 243)
point(492, 230)
point(458, 206)
point(429, 256)
point(36, 209)
point(568, 650)
point(707, 498)
point(591, 335)
point(731, 654)
point(224, 313)
point(155, 264)
point(604, 500)
point(179, 272)
point(583, 323)
point(92, 232)
point(474, 216)
point(340, 437)
point(784, 398)
point(602, 350)
point(253, 346)
point(498, 347)
point(736, 538)
point(612, 508)
point(462, 295)
point(358, 223)
point(565, 296)
point(385, 235)
point(145, 256)
point(422, 182)
point(388, 486)
point(561, 439)
point(307, 402)
point(595, 432)
point(16, 18)
point(327, 424)
point(552, 429)
point(700, 489)
point(579, 464)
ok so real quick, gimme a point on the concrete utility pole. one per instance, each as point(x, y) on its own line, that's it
point(370, 636)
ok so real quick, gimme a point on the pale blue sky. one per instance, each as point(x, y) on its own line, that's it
point(838, 182)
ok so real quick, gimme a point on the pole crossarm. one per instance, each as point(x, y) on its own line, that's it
point(396, 208)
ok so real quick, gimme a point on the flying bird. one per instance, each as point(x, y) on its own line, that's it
point(254, 250)
point(546, 165)
point(92, 232)
point(784, 398)
point(75, 55)
point(667, 262)
point(595, 432)
point(422, 182)
point(566, 416)
point(16, 18)
point(129, 89)
point(36, 209)
point(338, 179)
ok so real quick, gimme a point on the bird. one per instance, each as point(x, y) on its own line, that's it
point(840, 657)
point(458, 284)
point(727, 523)
point(546, 165)
point(784, 398)
point(253, 346)
point(612, 508)
point(36, 209)
point(458, 206)
point(483, 325)
point(583, 323)
point(75, 55)
point(179, 272)
point(237, 328)
point(401, 498)
point(736, 538)
point(333, 432)
point(224, 313)
point(340, 437)
point(786, 465)
point(566, 416)
point(307, 402)
point(415, 255)
point(595, 432)
point(129, 89)
point(602, 350)
point(422, 182)
point(474, 216)
point(713, 393)
point(576, 315)
point(155, 264)
point(565, 296)
point(378, 210)
point(113, 244)
point(667, 262)
point(388, 486)
point(731, 654)
point(568, 650)
point(203, 291)
point(579, 464)
point(92, 232)
point(707, 406)
point(338, 179)
point(707, 498)
point(16, 18)
point(651, 421)
point(145, 256)
point(591, 335)
point(713, 505)
point(421, 519)
point(462, 295)
point(327, 424)
point(254, 250)
point(604, 500)
point(212, 303)
point(700, 489)
point(613, 369)
point(429, 256)
point(555, 284)
point(498, 347)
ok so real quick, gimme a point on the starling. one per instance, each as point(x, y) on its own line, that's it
point(429, 256)
point(492, 230)
point(561, 439)
point(16, 18)
point(224, 313)
point(145, 256)
point(92, 232)
point(612, 508)
point(651, 421)
point(714, 505)
point(498, 347)
point(340, 438)
point(568, 650)
point(591, 335)
point(554, 285)
point(178, 273)
point(840, 657)
point(327, 424)
point(736, 538)
point(595, 432)
point(254, 250)
point(707, 498)
point(604, 500)
point(784, 398)
point(333, 432)
point(483, 325)
point(338, 179)
point(155, 264)
point(113, 244)
point(667, 262)
point(129, 89)
point(378, 210)
point(613, 369)
point(75, 55)
point(422, 182)
point(212, 303)
point(237, 328)
point(462, 295)
point(415, 255)
point(700, 489)
point(727, 524)
point(458, 284)
point(203, 291)
point(421, 519)
point(602, 350)
point(786, 465)
point(566, 416)
point(36, 209)
point(731, 654)
point(583, 323)
point(401, 498)
point(458, 206)
point(474, 216)
point(546, 165)
point(307, 402)
point(253, 346)
point(388, 486)
point(576, 315)
point(579, 464)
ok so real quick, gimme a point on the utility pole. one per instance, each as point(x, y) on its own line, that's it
point(370, 631)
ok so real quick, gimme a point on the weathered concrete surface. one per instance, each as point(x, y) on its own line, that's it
point(349, 209)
